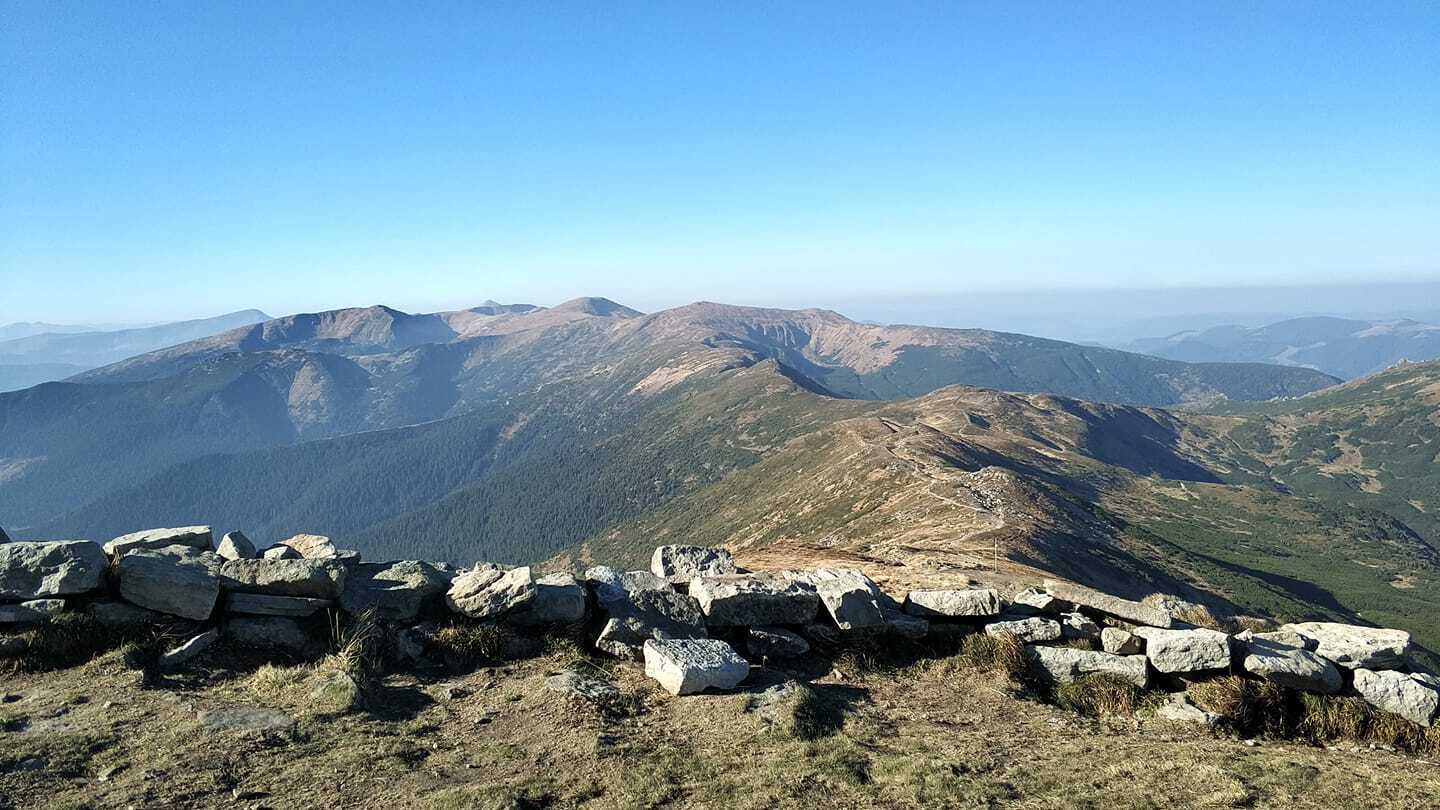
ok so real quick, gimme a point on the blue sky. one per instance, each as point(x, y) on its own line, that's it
point(161, 160)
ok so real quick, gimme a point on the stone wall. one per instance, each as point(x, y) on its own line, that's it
point(695, 620)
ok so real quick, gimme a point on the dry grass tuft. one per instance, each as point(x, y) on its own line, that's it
point(466, 645)
point(1101, 696)
point(1198, 615)
point(1325, 718)
point(1255, 624)
point(1250, 706)
point(71, 639)
point(1004, 653)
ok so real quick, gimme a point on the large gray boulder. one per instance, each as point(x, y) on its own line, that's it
point(1064, 665)
point(395, 591)
point(1177, 651)
point(632, 617)
point(196, 537)
point(851, 602)
point(1398, 693)
point(59, 568)
point(260, 604)
point(235, 546)
point(174, 580)
point(281, 552)
point(1032, 630)
point(312, 546)
point(687, 666)
point(317, 579)
point(684, 563)
point(1353, 646)
point(753, 599)
point(559, 600)
point(488, 592)
point(1121, 642)
point(1292, 667)
point(603, 578)
point(271, 634)
point(966, 603)
point(1136, 612)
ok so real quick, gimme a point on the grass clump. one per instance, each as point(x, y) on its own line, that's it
point(1003, 653)
point(65, 640)
point(1102, 695)
point(1250, 706)
point(1331, 718)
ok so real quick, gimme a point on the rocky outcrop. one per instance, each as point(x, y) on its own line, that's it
point(176, 580)
point(1398, 693)
point(488, 592)
point(1292, 667)
point(1082, 596)
point(317, 579)
point(747, 600)
point(679, 564)
point(954, 604)
point(60, 568)
point(235, 546)
point(1184, 651)
point(688, 666)
point(1064, 665)
point(397, 591)
point(196, 537)
point(1354, 646)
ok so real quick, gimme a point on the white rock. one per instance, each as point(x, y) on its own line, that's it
point(1173, 651)
point(1121, 642)
point(1292, 667)
point(196, 537)
point(317, 579)
point(1067, 665)
point(1031, 630)
point(754, 599)
point(851, 602)
point(60, 568)
point(684, 563)
point(1398, 693)
point(953, 603)
point(1352, 646)
point(281, 552)
point(1078, 626)
point(1126, 609)
point(235, 546)
point(185, 652)
point(687, 666)
point(1179, 709)
point(487, 592)
point(312, 546)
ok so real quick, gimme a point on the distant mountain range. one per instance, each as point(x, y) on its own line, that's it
point(1343, 347)
point(29, 356)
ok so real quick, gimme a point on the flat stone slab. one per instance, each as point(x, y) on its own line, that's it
point(59, 568)
point(688, 666)
point(1354, 646)
point(961, 603)
point(176, 583)
point(750, 600)
point(395, 591)
point(31, 612)
point(1398, 693)
point(683, 563)
point(488, 592)
point(1293, 667)
point(196, 537)
point(1130, 611)
point(317, 579)
point(245, 719)
point(1175, 651)
point(269, 633)
point(259, 604)
point(1066, 665)
point(1031, 630)
point(581, 686)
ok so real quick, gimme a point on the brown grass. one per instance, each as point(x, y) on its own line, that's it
point(1250, 706)
point(1101, 696)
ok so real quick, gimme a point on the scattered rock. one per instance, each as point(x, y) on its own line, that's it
point(397, 591)
point(269, 633)
point(687, 666)
point(1032, 630)
point(559, 600)
point(1031, 601)
point(235, 546)
point(1292, 667)
point(775, 642)
point(584, 687)
point(488, 592)
point(60, 568)
point(1354, 646)
point(259, 604)
point(1175, 651)
point(954, 604)
point(317, 579)
point(336, 693)
point(1398, 693)
point(173, 580)
point(187, 651)
point(751, 599)
point(1066, 665)
point(1179, 709)
point(196, 537)
point(1112, 605)
point(311, 546)
point(683, 563)
point(1121, 642)
point(245, 719)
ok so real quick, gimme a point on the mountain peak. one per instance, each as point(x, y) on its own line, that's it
point(601, 307)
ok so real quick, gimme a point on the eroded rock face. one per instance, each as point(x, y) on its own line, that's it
point(60, 568)
point(1289, 666)
point(749, 600)
point(1177, 651)
point(684, 563)
point(395, 591)
point(559, 599)
point(176, 580)
point(487, 592)
point(1136, 612)
point(1032, 630)
point(1066, 665)
point(196, 537)
point(954, 603)
point(687, 666)
point(235, 546)
point(1398, 693)
point(317, 579)
point(1355, 646)
point(775, 642)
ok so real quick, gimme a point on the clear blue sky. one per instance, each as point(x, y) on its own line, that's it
point(171, 159)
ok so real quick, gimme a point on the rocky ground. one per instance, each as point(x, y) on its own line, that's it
point(935, 732)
